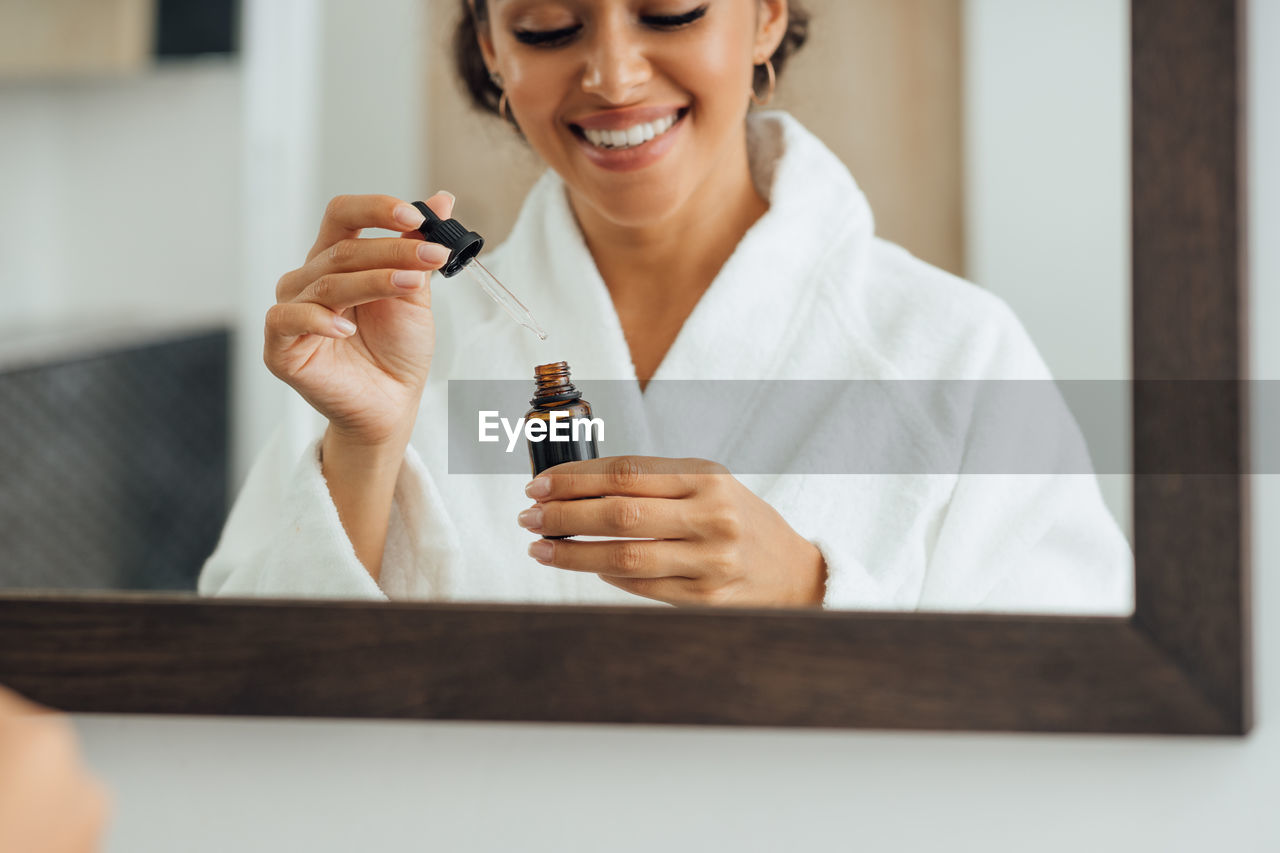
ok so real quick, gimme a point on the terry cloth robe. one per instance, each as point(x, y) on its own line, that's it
point(809, 293)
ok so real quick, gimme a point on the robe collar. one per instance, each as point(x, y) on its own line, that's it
point(814, 235)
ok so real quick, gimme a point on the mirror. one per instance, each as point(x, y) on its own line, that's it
point(1179, 664)
point(116, 360)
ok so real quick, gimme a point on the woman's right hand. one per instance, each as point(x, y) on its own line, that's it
point(352, 330)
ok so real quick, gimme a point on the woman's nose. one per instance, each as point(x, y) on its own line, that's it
point(616, 65)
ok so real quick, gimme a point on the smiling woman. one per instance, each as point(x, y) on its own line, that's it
point(566, 69)
point(674, 236)
point(486, 93)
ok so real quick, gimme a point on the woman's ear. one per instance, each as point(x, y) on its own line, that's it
point(771, 26)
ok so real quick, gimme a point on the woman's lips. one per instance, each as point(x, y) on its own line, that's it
point(637, 157)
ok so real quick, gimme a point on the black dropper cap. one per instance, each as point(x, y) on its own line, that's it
point(463, 245)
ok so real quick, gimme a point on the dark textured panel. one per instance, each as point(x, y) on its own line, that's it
point(114, 467)
point(194, 27)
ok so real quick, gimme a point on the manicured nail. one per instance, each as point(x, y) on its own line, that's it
point(345, 326)
point(531, 518)
point(408, 279)
point(539, 488)
point(433, 253)
point(541, 550)
point(408, 216)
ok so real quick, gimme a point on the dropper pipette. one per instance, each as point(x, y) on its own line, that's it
point(499, 294)
point(463, 246)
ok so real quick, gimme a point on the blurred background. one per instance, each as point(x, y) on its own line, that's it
point(165, 161)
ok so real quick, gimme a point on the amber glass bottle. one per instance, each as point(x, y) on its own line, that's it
point(554, 393)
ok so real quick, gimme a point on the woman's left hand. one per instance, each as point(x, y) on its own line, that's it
point(695, 534)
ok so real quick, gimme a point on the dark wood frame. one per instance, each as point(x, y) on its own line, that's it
point(1180, 664)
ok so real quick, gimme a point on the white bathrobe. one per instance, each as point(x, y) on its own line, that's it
point(809, 293)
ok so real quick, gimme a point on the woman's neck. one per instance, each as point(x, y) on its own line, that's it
point(657, 273)
point(693, 241)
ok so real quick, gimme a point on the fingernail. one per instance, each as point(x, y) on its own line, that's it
point(531, 518)
point(541, 550)
point(407, 279)
point(433, 253)
point(539, 488)
point(345, 326)
point(408, 216)
point(452, 198)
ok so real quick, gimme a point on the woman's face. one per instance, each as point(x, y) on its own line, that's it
point(635, 103)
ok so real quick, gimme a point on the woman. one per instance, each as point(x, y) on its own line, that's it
point(672, 237)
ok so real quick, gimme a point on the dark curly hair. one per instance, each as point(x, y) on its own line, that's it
point(469, 63)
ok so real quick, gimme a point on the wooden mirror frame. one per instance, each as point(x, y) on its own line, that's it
point(1179, 664)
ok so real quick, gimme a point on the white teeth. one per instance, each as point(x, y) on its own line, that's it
point(631, 136)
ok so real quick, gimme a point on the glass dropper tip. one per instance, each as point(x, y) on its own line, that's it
point(505, 298)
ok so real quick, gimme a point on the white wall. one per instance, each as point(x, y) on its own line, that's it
point(217, 785)
point(1047, 173)
point(120, 200)
point(318, 75)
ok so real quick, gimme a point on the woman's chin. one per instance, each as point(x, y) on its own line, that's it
point(640, 207)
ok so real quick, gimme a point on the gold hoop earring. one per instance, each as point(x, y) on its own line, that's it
point(496, 79)
point(773, 85)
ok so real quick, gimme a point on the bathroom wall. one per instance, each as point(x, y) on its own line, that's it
point(1047, 174)
point(92, 231)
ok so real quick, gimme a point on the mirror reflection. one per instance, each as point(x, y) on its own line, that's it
point(806, 273)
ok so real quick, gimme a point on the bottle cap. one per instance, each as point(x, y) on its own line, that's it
point(463, 245)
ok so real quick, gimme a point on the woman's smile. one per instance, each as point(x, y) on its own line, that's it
point(627, 139)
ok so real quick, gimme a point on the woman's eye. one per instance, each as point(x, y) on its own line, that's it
point(672, 22)
point(555, 38)
point(546, 38)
